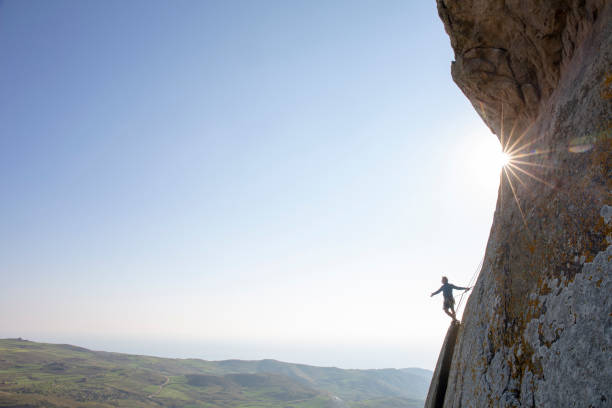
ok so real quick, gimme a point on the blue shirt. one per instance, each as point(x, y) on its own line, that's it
point(447, 290)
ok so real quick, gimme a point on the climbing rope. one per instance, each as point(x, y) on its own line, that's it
point(471, 282)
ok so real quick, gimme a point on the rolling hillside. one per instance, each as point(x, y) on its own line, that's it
point(51, 375)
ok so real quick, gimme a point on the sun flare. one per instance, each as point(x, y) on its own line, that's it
point(504, 159)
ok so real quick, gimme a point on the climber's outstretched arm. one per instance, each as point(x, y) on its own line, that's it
point(437, 291)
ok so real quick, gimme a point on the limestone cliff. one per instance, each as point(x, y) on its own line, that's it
point(537, 330)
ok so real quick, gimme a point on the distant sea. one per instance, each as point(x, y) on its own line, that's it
point(350, 356)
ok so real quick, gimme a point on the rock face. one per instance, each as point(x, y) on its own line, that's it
point(537, 329)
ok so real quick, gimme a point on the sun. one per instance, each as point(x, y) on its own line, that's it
point(504, 159)
point(484, 160)
point(491, 157)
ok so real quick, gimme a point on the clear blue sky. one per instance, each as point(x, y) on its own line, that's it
point(237, 179)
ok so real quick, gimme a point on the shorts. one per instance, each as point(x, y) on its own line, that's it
point(448, 303)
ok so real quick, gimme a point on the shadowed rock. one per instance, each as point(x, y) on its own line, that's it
point(439, 382)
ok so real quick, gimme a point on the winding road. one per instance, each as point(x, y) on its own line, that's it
point(161, 387)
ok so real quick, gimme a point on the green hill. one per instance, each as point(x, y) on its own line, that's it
point(57, 375)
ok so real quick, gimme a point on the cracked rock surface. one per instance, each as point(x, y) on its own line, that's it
point(537, 329)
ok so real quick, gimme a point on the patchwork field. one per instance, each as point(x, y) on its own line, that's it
point(54, 375)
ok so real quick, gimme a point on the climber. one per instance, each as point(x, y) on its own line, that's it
point(449, 300)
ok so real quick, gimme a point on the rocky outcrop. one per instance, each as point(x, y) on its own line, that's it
point(509, 54)
point(537, 330)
